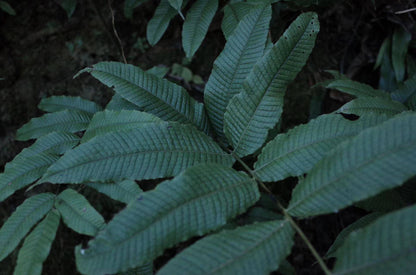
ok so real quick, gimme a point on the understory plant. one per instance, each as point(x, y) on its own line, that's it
point(219, 160)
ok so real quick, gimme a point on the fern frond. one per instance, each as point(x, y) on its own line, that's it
point(242, 50)
point(61, 103)
point(377, 159)
point(294, 153)
point(157, 26)
point(233, 14)
point(150, 93)
point(78, 214)
point(376, 105)
point(22, 220)
point(355, 88)
point(124, 191)
point(251, 249)
point(197, 201)
point(69, 121)
point(115, 121)
point(258, 107)
point(157, 151)
point(37, 245)
point(386, 246)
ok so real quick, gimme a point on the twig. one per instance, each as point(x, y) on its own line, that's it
point(405, 11)
point(115, 33)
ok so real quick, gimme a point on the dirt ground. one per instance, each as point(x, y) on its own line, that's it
point(41, 50)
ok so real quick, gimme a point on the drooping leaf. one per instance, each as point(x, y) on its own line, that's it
point(386, 246)
point(387, 80)
point(372, 105)
point(360, 223)
point(124, 191)
point(130, 5)
point(233, 14)
point(377, 159)
point(156, 151)
point(150, 93)
point(354, 88)
point(37, 246)
point(157, 26)
point(4, 6)
point(251, 249)
point(78, 214)
point(117, 103)
point(399, 46)
point(176, 4)
point(405, 91)
point(242, 50)
point(196, 25)
point(382, 52)
point(69, 121)
point(61, 103)
point(197, 201)
point(22, 220)
point(294, 153)
point(115, 121)
point(258, 107)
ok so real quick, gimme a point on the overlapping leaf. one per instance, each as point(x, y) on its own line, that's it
point(233, 14)
point(376, 105)
point(297, 151)
point(197, 201)
point(354, 88)
point(61, 103)
point(117, 103)
point(124, 191)
point(252, 249)
point(377, 159)
point(406, 90)
point(241, 52)
point(157, 26)
point(156, 151)
point(257, 109)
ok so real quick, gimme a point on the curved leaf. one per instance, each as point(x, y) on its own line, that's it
point(241, 52)
point(124, 191)
point(399, 46)
point(405, 91)
point(377, 159)
point(157, 26)
point(355, 88)
point(233, 14)
point(4, 6)
point(150, 93)
point(258, 107)
point(37, 245)
point(114, 121)
point(22, 220)
point(297, 151)
point(64, 121)
point(156, 151)
point(251, 249)
point(387, 246)
point(61, 103)
point(117, 103)
point(196, 25)
point(197, 201)
point(375, 105)
point(78, 214)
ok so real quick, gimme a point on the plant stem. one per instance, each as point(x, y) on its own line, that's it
point(287, 216)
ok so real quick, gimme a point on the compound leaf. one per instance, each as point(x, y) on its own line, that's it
point(157, 26)
point(37, 246)
point(376, 105)
point(386, 246)
point(196, 25)
point(157, 151)
point(252, 113)
point(60, 103)
point(253, 249)
point(124, 191)
point(201, 199)
point(294, 153)
point(70, 121)
point(379, 158)
point(242, 50)
point(78, 214)
point(22, 220)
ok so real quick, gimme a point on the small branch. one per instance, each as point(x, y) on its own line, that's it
point(405, 11)
point(115, 33)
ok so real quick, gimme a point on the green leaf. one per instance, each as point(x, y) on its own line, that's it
point(158, 71)
point(37, 246)
point(294, 153)
point(156, 151)
point(64, 121)
point(124, 191)
point(22, 220)
point(354, 88)
point(400, 43)
point(251, 249)
point(115, 121)
point(117, 103)
point(201, 199)
point(387, 246)
point(130, 5)
point(233, 14)
point(242, 50)
point(196, 25)
point(150, 93)
point(382, 52)
point(376, 105)
point(4, 6)
point(258, 107)
point(78, 214)
point(60, 103)
point(68, 5)
point(377, 159)
point(387, 80)
point(405, 91)
point(157, 26)
point(362, 222)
